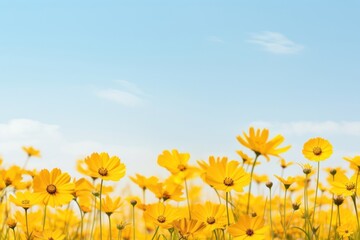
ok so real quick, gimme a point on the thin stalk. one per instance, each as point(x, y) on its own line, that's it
point(357, 214)
point(27, 225)
point(316, 191)
point(271, 226)
point(133, 218)
point(110, 233)
point(285, 214)
point(82, 219)
point(332, 210)
point(187, 198)
point(26, 162)
point(14, 233)
point(101, 184)
point(251, 175)
point(227, 211)
point(157, 229)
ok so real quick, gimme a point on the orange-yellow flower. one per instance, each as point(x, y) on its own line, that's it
point(24, 199)
point(227, 176)
point(188, 228)
point(259, 143)
point(354, 162)
point(249, 228)
point(213, 215)
point(162, 215)
point(287, 182)
point(105, 167)
point(54, 188)
point(31, 152)
point(317, 149)
point(345, 186)
point(144, 182)
point(109, 205)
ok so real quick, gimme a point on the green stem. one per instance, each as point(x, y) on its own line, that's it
point(157, 229)
point(26, 162)
point(271, 226)
point(357, 214)
point(332, 210)
point(14, 233)
point(316, 192)
point(82, 219)
point(187, 198)
point(27, 225)
point(133, 216)
point(101, 184)
point(110, 233)
point(227, 211)
point(284, 222)
point(251, 176)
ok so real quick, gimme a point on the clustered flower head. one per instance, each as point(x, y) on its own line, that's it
point(211, 200)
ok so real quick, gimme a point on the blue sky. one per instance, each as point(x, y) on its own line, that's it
point(137, 77)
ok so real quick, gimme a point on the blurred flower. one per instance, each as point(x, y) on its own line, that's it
point(31, 152)
point(109, 205)
point(354, 162)
point(144, 182)
point(25, 199)
point(188, 228)
point(258, 142)
point(317, 149)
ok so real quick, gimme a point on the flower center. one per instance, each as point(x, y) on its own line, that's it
point(8, 182)
point(350, 186)
point(25, 201)
point(161, 219)
point(228, 181)
point(181, 167)
point(103, 171)
point(210, 220)
point(317, 151)
point(249, 232)
point(51, 189)
point(166, 196)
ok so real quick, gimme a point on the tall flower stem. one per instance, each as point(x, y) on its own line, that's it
point(27, 224)
point(271, 226)
point(101, 184)
point(110, 234)
point(133, 222)
point(316, 191)
point(187, 197)
point(157, 229)
point(353, 197)
point(284, 222)
point(332, 211)
point(251, 175)
point(227, 211)
point(26, 162)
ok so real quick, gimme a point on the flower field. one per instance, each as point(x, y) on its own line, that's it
point(51, 204)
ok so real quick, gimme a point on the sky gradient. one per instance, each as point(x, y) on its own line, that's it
point(137, 77)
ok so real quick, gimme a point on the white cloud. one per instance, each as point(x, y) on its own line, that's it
point(215, 39)
point(121, 97)
point(129, 87)
point(276, 43)
point(309, 127)
point(58, 150)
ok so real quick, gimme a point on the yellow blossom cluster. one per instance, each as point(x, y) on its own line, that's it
point(213, 199)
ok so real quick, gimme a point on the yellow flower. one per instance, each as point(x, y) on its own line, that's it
point(176, 163)
point(109, 205)
point(212, 160)
point(258, 142)
point(249, 228)
point(354, 162)
point(287, 182)
point(12, 176)
point(168, 190)
point(346, 230)
point(188, 228)
point(345, 186)
point(317, 149)
point(144, 182)
point(245, 158)
point(213, 215)
point(54, 188)
point(31, 152)
point(162, 215)
point(227, 176)
point(285, 164)
point(11, 222)
point(105, 167)
point(51, 235)
point(24, 199)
